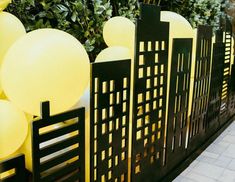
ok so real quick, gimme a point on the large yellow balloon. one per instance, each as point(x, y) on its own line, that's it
point(13, 128)
point(45, 65)
point(11, 29)
point(4, 4)
point(113, 54)
point(119, 31)
point(179, 26)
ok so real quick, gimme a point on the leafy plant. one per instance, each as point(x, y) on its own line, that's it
point(84, 19)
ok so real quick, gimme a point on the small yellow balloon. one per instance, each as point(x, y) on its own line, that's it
point(113, 54)
point(119, 31)
point(4, 4)
point(45, 65)
point(13, 128)
point(11, 29)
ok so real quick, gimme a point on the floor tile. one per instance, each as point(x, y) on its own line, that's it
point(223, 161)
point(227, 176)
point(208, 170)
point(231, 165)
point(199, 178)
point(229, 139)
point(230, 151)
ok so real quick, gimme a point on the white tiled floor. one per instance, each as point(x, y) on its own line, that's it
point(216, 163)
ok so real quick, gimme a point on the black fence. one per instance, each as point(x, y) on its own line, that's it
point(135, 139)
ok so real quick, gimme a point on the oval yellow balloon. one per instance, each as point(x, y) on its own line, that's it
point(45, 65)
point(113, 53)
point(13, 128)
point(4, 4)
point(179, 26)
point(119, 31)
point(11, 29)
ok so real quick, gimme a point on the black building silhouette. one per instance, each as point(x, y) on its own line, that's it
point(149, 100)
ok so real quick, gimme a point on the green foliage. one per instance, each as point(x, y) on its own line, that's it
point(74, 17)
point(84, 19)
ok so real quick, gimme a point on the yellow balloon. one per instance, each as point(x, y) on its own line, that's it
point(26, 148)
point(179, 26)
point(13, 128)
point(11, 29)
point(4, 4)
point(45, 65)
point(119, 31)
point(84, 101)
point(113, 54)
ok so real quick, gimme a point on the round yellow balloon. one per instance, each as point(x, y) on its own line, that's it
point(45, 65)
point(179, 26)
point(11, 29)
point(119, 31)
point(13, 128)
point(113, 54)
point(4, 4)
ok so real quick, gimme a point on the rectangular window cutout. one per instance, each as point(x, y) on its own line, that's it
point(138, 135)
point(96, 85)
point(153, 127)
point(95, 116)
point(161, 91)
point(160, 102)
point(149, 71)
point(124, 107)
point(155, 70)
point(118, 98)
point(141, 46)
point(139, 123)
point(110, 126)
point(123, 132)
point(147, 95)
point(111, 110)
point(124, 95)
point(111, 99)
point(104, 87)
point(141, 73)
point(140, 98)
point(159, 124)
point(123, 120)
point(147, 120)
point(162, 69)
point(104, 114)
point(95, 146)
point(111, 86)
point(123, 143)
point(155, 81)
point(163, 45)
point(160, 113)
point(140, 111)
point(154, 105)
point(155, 93)
point(148, 83)
point(141, 60)
point(156, 46)
point(103, 128)
point(117, 123)
point(161, 80)
point(149, 46)
point(124, 82)
point(147, 108)
point(156, 58)
point(110, 138)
